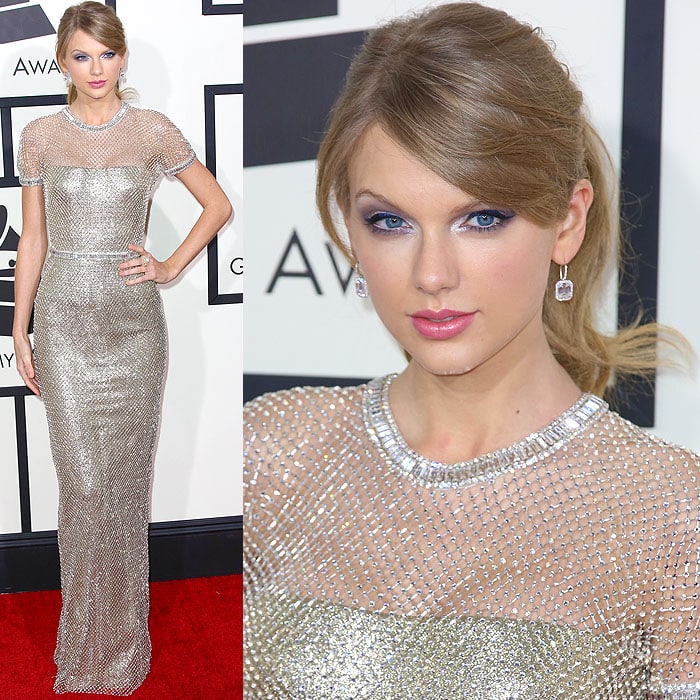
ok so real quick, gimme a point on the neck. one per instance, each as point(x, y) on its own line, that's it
point(458, 417)
point(96, 112)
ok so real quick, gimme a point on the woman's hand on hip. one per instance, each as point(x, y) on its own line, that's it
point(146, 267)
point(25, 362)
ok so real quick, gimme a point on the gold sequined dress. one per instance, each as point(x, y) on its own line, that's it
point(101, 351)
point(566, 566)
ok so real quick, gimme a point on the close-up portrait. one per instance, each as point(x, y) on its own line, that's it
point(470, 439)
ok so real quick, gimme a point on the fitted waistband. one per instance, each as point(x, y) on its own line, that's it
point(88, 255)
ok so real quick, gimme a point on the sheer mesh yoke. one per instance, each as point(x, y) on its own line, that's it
point(145, 138)
point(101, 352)
point(98, 179)
point(564, 567)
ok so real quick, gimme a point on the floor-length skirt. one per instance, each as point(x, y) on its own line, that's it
point(101, 352)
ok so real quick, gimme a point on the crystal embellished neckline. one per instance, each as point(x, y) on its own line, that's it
point(384, 433)
point(96, 127)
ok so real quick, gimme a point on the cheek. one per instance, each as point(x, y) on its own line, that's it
point(369, 253)
point(79, 67)
point(388, 281)
point(522, 275)
point(384, 279)
point(384, 263)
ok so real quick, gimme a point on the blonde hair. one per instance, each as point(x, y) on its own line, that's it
point(102, 24)
point(480, 99)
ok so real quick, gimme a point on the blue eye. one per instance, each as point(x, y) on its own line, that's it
point(384, 222)
point(80, 57)
point(487, 220)
point(109, 54)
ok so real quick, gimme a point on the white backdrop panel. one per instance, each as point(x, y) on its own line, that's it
point(678, 395)
point(229, 153)
point(42, 477)
point(9, 479)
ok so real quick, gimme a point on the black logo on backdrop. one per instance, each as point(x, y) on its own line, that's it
point(19, 23)
point(268, 11)
point(305, 76)
point(29, 67)
point(295, 249)
point(9, 240)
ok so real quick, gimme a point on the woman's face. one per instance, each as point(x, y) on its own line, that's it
point(458, 282)
point(93, 67)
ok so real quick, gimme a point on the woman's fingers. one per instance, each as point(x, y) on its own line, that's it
point(144, 266)
point(25, 367)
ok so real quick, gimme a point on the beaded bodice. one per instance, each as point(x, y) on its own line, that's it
point(571, 571)
point(98, 180)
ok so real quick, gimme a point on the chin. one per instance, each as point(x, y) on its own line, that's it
point(444, 369)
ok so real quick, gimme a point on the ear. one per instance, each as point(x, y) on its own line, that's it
point(571, 231)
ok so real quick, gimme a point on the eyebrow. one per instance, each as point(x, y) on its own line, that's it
point(462, 209)
point(88, 53)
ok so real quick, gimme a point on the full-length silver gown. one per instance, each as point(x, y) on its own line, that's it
point(563, 567)
point(101, 351)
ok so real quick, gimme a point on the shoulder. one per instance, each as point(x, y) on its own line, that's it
point(287, 437)
point(634, 439)
point(666, 476)
point(151, 119)
point(279, 425)
point(42, 125)
point(287, 411)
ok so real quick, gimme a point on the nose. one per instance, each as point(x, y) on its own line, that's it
point(435, 268)
point(96, 67)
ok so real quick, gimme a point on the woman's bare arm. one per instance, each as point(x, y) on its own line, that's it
point(216, 212)
point(31, 254)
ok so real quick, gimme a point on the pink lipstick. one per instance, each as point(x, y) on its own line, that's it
point(441, 325)
point(97, 83)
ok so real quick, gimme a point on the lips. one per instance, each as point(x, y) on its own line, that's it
point(97, 83)
point(441, 325)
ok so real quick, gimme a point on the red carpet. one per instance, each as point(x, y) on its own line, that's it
point(196, 629)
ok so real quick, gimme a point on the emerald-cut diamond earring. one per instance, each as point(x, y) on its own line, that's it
point(564, 288)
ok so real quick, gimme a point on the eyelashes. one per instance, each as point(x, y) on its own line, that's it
point(384, 222)
point(482, 220)
point(83, 57)
point(487, 219)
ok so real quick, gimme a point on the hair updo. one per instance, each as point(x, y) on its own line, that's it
point(102, 24)
point(481, 100)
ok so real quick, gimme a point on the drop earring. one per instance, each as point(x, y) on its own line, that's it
point(67, 79)
point(122, 76)
point(360, 283)
point(564, 288)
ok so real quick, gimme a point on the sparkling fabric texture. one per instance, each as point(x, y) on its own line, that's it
point(101, 351)
point(566, 566)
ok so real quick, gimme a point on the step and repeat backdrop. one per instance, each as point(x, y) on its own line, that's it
point(185, 61)
point(634, 61)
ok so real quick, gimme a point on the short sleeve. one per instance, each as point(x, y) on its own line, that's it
point(175, 152)
point(29, 157)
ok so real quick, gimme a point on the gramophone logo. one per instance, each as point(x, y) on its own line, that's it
point(19, 20)
point(8, 260)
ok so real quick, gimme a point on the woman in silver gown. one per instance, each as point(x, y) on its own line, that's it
point(88, 173)
point(481, 526)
